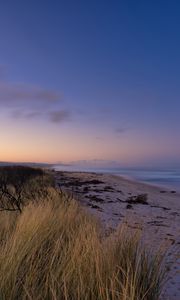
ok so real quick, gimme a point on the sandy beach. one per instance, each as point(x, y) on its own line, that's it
point(115, 200)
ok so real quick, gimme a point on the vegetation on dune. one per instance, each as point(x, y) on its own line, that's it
point(54, 250)
point(18, 184)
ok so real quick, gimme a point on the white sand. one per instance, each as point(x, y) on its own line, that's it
point(159, 221)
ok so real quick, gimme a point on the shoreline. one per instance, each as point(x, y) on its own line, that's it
point(127, 178)
point(151, 184)
point(110, 199)
point(160, 184)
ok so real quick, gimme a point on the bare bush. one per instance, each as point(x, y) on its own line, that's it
point(13, 180)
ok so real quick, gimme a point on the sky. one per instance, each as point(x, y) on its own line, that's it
point(90, 81)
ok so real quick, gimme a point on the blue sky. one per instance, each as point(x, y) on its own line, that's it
point(101, 73)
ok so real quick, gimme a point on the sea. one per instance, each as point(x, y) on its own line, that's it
point(167, 178)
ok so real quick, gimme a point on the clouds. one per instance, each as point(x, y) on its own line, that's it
point(15, 94)
point(121, 130)
point(20, 114)
point(59, 116)
point(28, 102)
point(96, 163)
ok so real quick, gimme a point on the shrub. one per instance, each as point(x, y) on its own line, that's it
point(18, 183)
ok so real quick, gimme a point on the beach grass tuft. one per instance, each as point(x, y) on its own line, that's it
point(54, 249)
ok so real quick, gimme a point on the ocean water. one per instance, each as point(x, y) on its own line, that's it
point(169, 178)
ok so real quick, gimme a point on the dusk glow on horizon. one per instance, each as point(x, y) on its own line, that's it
point(90, 80)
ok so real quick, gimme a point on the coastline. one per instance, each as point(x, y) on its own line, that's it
point(162, 177)
point(129, 179)
point(108, 197)
point(159, 186)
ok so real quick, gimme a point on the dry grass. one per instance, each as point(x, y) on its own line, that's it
point(55, 250)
